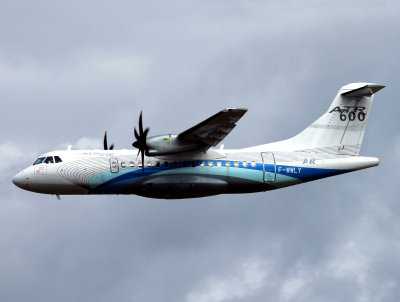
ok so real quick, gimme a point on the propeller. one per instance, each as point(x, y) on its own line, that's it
point(140, 142)
point(105, 143)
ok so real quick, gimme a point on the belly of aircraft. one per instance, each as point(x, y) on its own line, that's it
point(183, 186)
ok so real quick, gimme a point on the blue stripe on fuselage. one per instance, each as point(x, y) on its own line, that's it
point(307, 174)
point(115, 182)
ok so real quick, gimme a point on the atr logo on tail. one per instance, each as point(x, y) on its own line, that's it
point(347, 112)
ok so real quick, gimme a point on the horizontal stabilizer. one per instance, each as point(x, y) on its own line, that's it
point(360, 89)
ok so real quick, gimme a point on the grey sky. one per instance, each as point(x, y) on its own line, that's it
point(69, 71)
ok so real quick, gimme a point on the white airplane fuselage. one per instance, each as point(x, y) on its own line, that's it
point(210, 173)
point(186, 165)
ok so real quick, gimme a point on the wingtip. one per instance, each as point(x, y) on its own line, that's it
point(234, 109)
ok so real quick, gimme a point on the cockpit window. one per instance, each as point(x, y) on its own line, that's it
point(49, 160)
point(39, 160)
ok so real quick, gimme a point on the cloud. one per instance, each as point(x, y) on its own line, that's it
point(86, 69)
point(13, 155)
point(396, 152)
point(293, 284)
point(349, 262)
point(83, 143)
point(242, 284)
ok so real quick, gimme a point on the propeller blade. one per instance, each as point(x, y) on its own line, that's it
point(141, 123)
point(136, 134)
point(105, 141)
point(105, 144)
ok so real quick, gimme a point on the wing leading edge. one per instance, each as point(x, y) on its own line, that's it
point(213, 130)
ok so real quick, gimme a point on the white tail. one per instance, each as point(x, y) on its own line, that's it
point(341, 129)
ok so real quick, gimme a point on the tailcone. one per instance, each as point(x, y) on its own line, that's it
point(360, 162)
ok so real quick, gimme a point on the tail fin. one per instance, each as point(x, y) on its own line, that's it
point(341, 129)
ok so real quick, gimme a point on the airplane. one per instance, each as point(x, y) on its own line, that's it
point(188, 165)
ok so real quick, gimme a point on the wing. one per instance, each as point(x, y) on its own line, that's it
point(214, 129)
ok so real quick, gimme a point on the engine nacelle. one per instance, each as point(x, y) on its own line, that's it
point(169, 144)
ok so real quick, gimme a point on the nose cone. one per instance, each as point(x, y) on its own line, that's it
point(19, 180)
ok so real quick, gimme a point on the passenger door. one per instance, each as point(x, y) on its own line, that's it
point(269, 166)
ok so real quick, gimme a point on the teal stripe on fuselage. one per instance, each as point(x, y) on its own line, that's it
point(132, 175)
point(106, 177)
point(284, 174)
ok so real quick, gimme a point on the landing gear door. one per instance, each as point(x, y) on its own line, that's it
point(269, 166)
point(114, 168)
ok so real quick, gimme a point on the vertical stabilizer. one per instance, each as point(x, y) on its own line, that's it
point(341, 129)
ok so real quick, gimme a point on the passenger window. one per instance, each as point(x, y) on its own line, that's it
point(202, 164)
point(228, 164)
point(193, 164)
point(131, 164)
point(166, 164)
point(149, 164)
point(140, 165)
point(184, 164)
point(219, 164)
point(210, 163)
point(158, 164)
point(57, 159)
point(253, 164)
point(244, 164)
point(49, 160)
point(175, 164)
point(123, 165)
point(39, 160)
point(236, 164)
